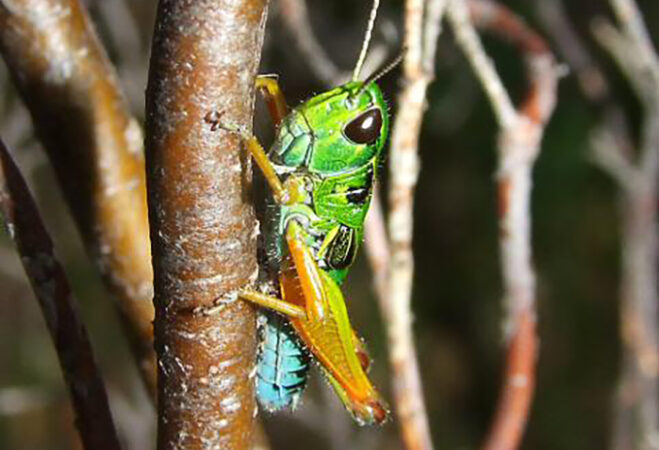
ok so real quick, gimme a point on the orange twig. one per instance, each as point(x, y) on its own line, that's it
point(521, 132)
point(204, 59)
point(95, 146)
point(59, 308)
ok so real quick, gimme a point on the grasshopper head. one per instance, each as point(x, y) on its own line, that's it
point(349, 125)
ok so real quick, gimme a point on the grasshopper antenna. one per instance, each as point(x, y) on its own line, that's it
point(386, 69)
point(382, 72)
point(367, 40)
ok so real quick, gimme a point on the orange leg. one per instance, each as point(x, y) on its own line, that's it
point(310, 280)
point(279, 191)
point(273, 96)
point(274, 303)
point(327, 331)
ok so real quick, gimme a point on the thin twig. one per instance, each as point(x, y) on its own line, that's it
point(592, 80)
point(376, 244)
point(418, 72)
point(521, 132)
point(94, 144)
point(637, 412)
point(572, 49)
point(295, 16)
point(633, 27)
point(59, 308)
point(203, 228)
point(483, 66)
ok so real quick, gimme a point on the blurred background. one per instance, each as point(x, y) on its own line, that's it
point(457, 293)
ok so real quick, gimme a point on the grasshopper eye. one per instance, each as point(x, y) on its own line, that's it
point(365, 129)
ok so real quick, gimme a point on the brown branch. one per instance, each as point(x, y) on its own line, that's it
point(59, 308)
point(418, 70)
point(521, 132)
point(95, 146)
point(204, 59)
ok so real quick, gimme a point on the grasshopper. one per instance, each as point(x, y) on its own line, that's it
point(321, 172)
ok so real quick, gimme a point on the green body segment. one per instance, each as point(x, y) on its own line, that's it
point(324, 143)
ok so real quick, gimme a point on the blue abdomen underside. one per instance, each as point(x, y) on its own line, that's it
point(282, 366)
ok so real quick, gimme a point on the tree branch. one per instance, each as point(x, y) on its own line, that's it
point(637, 421)
point(204, 59)
point(418, 72)
point(521, 132)
point(95, 146)
point(59, 308)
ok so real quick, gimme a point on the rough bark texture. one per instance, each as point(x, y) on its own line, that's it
point(95, 146)
point(59, 308)
point(204, 58)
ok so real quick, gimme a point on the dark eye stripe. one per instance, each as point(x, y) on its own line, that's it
point(357, 195)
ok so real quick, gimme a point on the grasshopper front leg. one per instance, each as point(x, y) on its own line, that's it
point(284, 193)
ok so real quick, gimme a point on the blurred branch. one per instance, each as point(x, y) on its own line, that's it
point(295, 16)
point(483, 66)
point(418, 73)
point(95, 146)
point(637, 414)
point(376, 243)
point(59, 308)
point(591, 79)
point(521, 132)
point(203, 227)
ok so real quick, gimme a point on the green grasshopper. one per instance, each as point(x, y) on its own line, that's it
point(321, 171)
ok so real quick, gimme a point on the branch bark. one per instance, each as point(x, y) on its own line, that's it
point(205, 55)
point(418, 73)
point(59, 308)
point(521, 132)
point(95, 146)
point(637, 413)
